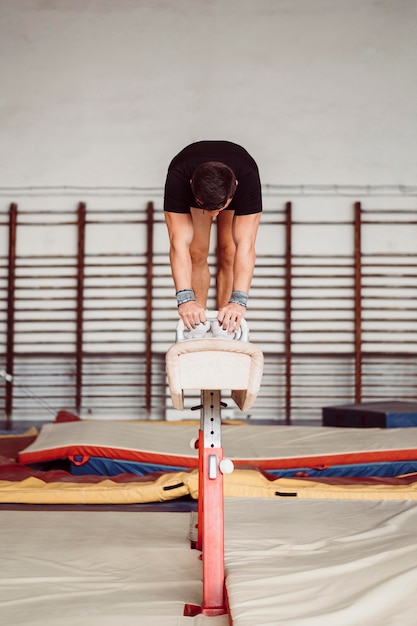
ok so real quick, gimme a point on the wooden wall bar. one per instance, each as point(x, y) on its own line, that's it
point(358, 302)
point(288, 310)
point(86, 328)
point(79, 347)
point(149, 307)
point(11, 283)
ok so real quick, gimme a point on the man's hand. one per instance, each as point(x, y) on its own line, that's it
point(192, 314)
point(230, 316)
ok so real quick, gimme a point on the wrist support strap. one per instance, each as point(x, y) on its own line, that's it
point(239, 297)
point(185, 295)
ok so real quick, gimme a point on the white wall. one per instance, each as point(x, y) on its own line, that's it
point(104, 92)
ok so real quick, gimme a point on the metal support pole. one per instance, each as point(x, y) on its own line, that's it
point(210, 508)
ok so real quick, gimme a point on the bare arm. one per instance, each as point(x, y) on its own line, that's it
point(245, 228)
point(181, 231)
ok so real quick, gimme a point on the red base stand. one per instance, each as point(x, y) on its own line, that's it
point(191, 610)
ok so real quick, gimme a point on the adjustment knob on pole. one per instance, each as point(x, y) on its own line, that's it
point(226, 466)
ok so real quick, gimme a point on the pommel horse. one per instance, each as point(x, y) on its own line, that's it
point(212, 365)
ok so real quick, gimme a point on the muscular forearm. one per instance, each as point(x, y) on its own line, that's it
point(231, 314)
point(244, 264)
point(181, 231)
point(244, 235)
point(181, 267)
point(191, 311)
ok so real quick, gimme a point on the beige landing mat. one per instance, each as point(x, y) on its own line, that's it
point(288, 563)
point(98, 569)
point(321, 563)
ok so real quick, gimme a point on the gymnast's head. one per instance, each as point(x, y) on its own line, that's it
point(214, 185)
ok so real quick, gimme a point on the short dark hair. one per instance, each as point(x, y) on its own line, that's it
point(213, 183)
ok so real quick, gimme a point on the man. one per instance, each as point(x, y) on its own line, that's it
point(212, 180)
